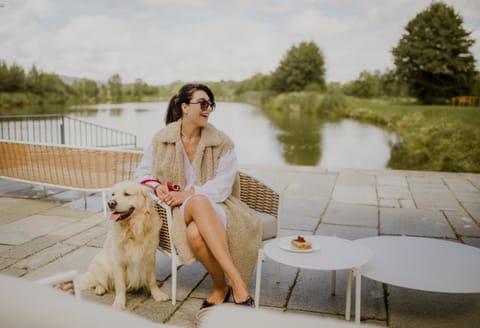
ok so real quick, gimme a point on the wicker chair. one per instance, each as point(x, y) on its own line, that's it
point(257, 194)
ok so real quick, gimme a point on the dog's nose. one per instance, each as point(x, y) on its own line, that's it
point(112, 203)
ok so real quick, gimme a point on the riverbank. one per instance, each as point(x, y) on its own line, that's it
point(434, 138)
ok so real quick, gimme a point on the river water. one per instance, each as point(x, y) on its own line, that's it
point(263, 139)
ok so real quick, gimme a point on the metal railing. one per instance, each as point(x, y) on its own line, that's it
point(61, 129)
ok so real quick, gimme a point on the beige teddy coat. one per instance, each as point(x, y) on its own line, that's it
point(244, 228)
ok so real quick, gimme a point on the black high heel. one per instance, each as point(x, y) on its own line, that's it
point(207, 304)
point(248, 302)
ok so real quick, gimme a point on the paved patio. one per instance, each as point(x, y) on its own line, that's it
point(45, 234)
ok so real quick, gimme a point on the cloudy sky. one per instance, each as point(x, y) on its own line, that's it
point(161, 41)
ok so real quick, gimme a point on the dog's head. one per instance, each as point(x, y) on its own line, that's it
point(127, 198)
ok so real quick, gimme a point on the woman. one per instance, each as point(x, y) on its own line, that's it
point(210, 223)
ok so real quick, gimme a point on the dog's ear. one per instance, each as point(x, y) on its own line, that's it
point(148, 200)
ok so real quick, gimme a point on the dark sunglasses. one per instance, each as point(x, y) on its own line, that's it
point(204, 104)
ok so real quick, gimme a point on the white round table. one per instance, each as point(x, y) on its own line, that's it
point(423, 263)
point(330, 253)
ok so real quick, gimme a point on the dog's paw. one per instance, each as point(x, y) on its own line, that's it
point(99, 290)
point(118, 304)
point(159, 296)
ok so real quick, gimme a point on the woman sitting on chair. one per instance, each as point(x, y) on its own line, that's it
point(210, 223)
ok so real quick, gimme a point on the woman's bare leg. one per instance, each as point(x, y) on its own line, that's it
point(203, 254)
point(199, 210)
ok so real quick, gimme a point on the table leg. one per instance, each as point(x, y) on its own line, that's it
point(348, 302)
point(358, 287)
point(333, 285)
point(259, 277)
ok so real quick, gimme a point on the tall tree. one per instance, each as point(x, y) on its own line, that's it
point(302, 66)
point(433, 55)
point(115, 87)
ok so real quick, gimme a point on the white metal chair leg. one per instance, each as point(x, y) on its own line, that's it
point(259, 277)
point(333, 285)
point(174, 281)
point(277, 273)
point(348, 302)
point(358, 291)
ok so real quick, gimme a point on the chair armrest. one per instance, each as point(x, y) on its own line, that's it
point(259, 195)
point(165, 213)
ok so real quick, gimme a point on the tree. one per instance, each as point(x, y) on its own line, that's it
point(302, 67)
point(115, 87)
point(4, 76)
point(433, 56)
point(15, 79)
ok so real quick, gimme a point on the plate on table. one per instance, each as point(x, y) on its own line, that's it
point(287, 246)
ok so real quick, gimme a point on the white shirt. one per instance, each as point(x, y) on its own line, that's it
point(216, 189)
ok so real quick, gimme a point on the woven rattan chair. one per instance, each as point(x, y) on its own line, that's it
point(257, 194)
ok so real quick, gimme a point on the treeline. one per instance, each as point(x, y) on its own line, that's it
point(20, 88)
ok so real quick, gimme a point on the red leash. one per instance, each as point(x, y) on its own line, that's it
point(170, 186)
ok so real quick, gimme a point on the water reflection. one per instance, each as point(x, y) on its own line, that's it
point(349, 144)
point(298, 135)
point(273, 138)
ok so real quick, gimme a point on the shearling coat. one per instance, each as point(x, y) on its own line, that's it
point(244, 228)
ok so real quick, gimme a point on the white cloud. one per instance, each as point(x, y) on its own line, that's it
point(162, 41)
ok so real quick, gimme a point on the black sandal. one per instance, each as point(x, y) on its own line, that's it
point(248, 302)
point(207, 304)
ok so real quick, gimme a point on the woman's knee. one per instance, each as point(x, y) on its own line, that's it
point(197, 202)
point(194, 238)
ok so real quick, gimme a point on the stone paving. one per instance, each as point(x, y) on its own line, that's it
point(43, 232)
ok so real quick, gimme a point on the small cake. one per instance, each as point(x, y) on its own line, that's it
point(301, 243)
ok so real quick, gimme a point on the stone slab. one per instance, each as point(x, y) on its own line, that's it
point(346, 232)
point(24, 230)
point(394, 192)
point(463, 224)
point(307, 206)
point(472, 241)
point(300, 223)
point(355, 194)
point(45, 256)
point(412, 308)
point(436, 197)
point(355, 179)
point(13, 209)
point(414, 222)
point(460, 184)
point(392, 180)
point(473, 209)
point(470, 197)
point(273, 293)
point(77, 260)
point(388, 202)
point(347, 214)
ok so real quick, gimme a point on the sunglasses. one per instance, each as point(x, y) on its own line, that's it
point(204, 105)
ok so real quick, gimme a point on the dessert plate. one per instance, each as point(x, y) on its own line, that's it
point(286, 246)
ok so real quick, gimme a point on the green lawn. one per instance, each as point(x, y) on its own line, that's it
point(435, 138)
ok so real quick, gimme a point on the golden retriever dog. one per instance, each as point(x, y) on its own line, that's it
point(127, 259)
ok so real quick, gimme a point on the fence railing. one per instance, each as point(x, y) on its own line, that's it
point(61, 129)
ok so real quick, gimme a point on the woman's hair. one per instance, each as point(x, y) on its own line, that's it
point(184, 95)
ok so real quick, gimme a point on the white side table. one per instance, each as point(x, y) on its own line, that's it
point(423, 263)
point(333, 254)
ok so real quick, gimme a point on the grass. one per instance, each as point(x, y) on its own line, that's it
point(435, 138)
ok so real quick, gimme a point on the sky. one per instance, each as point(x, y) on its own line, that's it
point(162, 41)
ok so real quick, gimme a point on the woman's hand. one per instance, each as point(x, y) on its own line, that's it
point(173, 198)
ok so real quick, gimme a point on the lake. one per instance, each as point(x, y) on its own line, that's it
point(263, 139)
